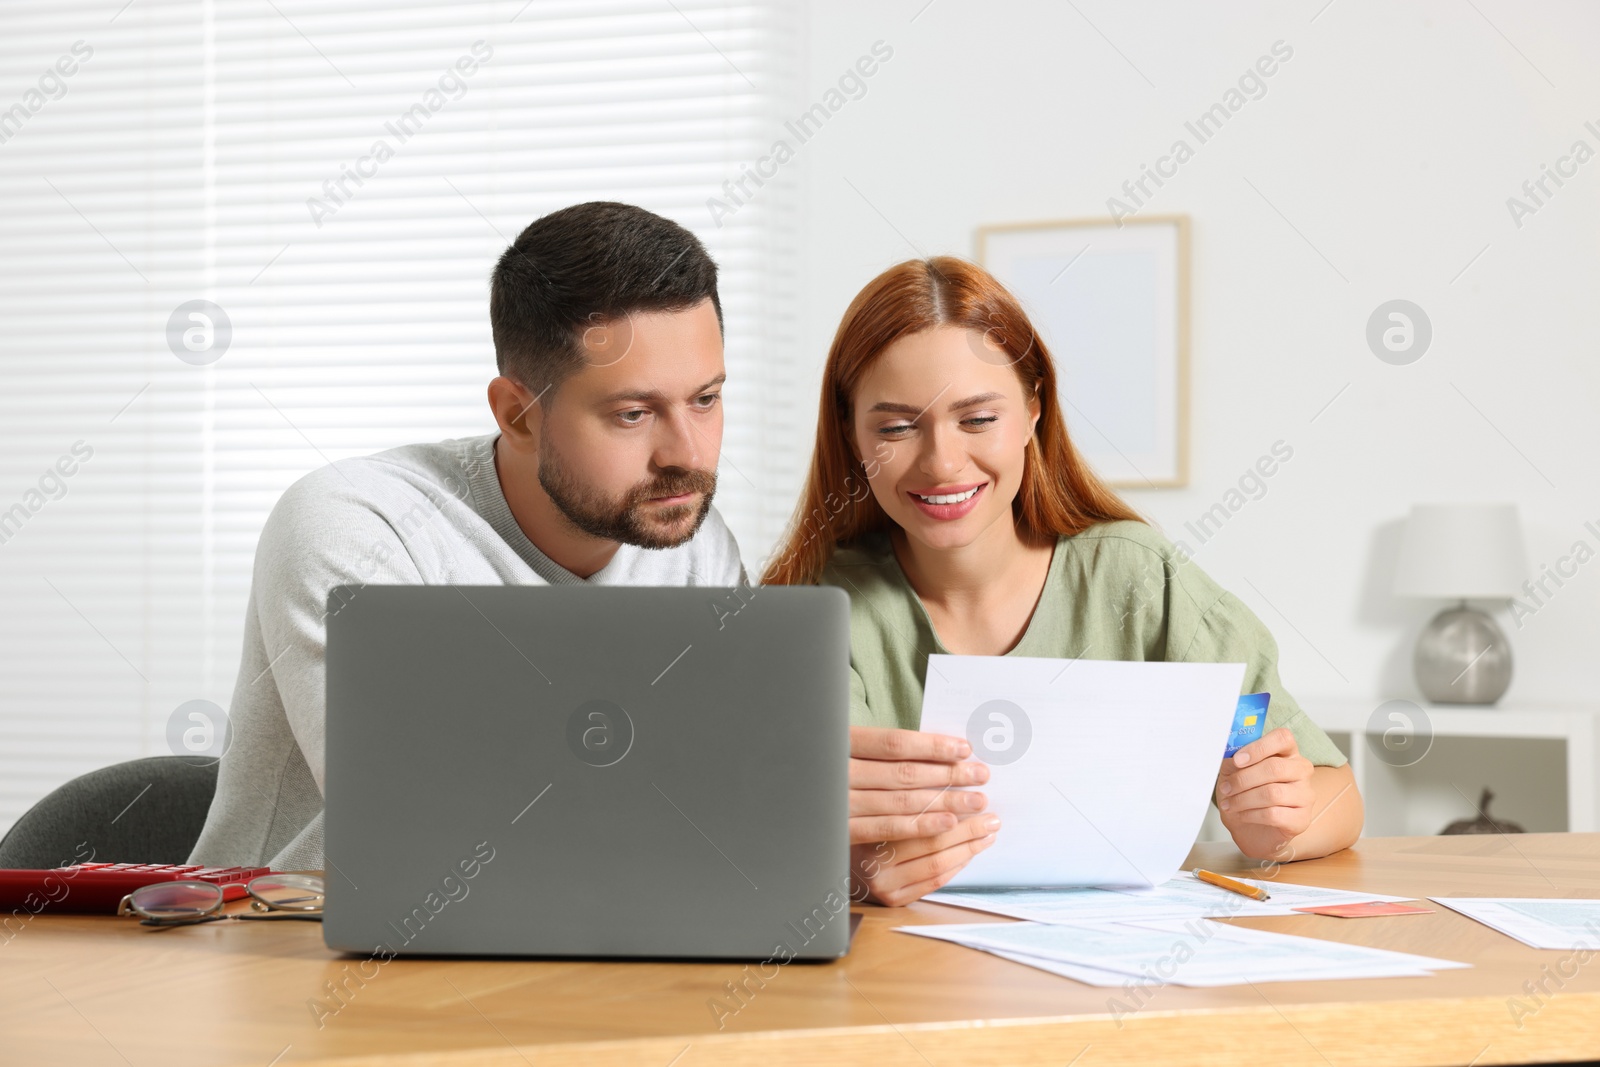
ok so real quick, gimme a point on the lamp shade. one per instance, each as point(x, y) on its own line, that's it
point(1460, 551)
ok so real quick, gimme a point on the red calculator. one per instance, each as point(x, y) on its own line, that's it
point(97, 888)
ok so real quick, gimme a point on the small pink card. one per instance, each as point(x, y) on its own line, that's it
point(1363, 911)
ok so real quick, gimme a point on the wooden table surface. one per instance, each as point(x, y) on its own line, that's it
point(86, 990)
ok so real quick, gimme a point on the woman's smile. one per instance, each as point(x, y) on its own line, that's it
point(946, 503)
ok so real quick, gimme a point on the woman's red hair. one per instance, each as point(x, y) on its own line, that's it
point(1059, 495)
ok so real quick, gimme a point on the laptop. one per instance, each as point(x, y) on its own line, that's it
point(587, 772)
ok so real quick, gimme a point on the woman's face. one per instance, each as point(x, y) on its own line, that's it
point(941, 423)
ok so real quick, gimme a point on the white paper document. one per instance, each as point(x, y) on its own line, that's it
point(1183, 897)
point(1100, 770)
point(1077, 972)
point(1540, 922)
point(1192, 952)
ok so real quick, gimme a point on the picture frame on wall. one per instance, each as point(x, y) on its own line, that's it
point(1111, 302)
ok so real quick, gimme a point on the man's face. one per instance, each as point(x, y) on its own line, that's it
point(628, 449)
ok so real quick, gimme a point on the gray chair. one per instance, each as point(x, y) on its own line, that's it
point(143, 811)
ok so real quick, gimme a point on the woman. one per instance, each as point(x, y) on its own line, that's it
point(946, 498)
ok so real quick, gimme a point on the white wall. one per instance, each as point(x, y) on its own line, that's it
point(1391, 140)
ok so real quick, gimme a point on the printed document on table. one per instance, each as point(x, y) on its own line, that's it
point(1100, 770)
point(1541, 922)
point(1182, 897)
point(1095, 976)
point(1190, 952)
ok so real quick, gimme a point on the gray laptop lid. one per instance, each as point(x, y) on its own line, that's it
point(527, 770)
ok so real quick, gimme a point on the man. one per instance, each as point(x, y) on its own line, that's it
point(608, 340)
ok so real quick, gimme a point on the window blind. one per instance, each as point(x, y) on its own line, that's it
point(327, 186)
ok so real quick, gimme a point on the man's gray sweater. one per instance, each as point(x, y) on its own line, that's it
point(425, 514)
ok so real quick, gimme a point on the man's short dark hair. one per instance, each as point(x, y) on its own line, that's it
point(586, 265)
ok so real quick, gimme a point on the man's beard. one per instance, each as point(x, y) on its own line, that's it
point(626, 520)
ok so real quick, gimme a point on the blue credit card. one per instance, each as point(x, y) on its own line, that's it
point(1249, 721)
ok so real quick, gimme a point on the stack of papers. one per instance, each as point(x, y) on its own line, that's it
point(1193, 952)
point(1183, 897)
point(1074, 818)
point(1110, 937)
point(1536, 921)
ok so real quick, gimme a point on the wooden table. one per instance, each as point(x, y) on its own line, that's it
point(84, 990)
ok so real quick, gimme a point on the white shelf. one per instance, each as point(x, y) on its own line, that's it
point(1541, 760)
point(1456, 720)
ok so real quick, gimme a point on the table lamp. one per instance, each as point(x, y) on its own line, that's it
point(1453, 552)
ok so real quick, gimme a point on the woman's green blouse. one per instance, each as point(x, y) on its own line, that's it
point(1118, 591)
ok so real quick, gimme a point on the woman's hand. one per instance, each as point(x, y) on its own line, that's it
point(911, 831)
point(1265, 794)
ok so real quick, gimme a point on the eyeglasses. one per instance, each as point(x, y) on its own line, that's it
point(274, 896)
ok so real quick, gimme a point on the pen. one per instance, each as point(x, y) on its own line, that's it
point(1232, 885)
